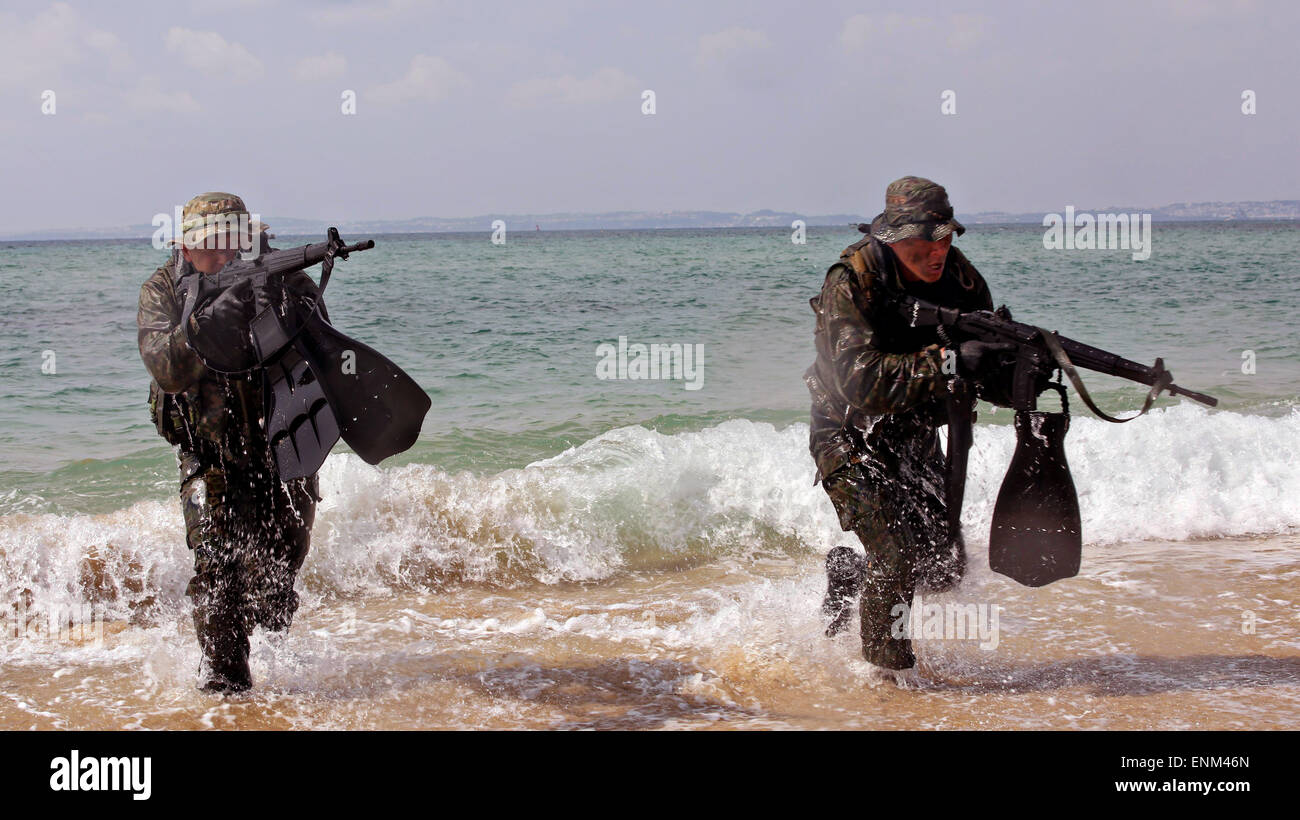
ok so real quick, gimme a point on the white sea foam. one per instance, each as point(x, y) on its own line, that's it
point(1181, 472)
point(635, 499)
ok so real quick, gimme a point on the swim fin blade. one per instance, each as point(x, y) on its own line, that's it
point(1036, 536)
point(379, 408)
point(301, 426)
point(323, 385)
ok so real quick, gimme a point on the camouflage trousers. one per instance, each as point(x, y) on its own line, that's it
point(249, 534)
point(901, 520)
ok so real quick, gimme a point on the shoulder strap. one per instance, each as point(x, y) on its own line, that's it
point(178, 267)
point(187, 280)
point(1162, 381)
point(964, 271)
point(853, 256)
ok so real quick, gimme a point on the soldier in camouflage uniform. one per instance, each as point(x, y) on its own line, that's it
point(248, 530)
point(878, 394)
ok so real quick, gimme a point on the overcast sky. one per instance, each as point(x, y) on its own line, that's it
point(494, 107)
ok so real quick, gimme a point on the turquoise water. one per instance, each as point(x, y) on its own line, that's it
point(504, 337)
point(558, 546)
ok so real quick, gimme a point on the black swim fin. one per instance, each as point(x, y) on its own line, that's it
point(323, 385)
point(300, 424)
point(1037, 536)
point(379, 408)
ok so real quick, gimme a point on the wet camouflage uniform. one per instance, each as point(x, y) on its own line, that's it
point(878, 394)
point(249, 531)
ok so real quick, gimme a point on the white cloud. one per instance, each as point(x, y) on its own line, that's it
point(899, 32)
point(149, 97)
point(209, 53)
point(1199, 11)
point(328, 66)
point(428, 79)
point(38, 50)
point(380, 12)
point(965, 31)
point(723, 45)
point(604, 85)
point(862, 31)
point(111, 46)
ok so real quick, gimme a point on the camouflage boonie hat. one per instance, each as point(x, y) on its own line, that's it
point(915, 207)
point(212, 213)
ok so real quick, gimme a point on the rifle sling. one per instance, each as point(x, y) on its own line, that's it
point(960, 422)
point(1162, 379)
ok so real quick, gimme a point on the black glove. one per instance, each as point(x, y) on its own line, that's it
point(996, 385)
point(973, 355)
point(220, 329)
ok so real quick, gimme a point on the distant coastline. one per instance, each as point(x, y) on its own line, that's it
point(1274, 210)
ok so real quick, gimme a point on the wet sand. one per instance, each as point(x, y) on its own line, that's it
point(1186, 635)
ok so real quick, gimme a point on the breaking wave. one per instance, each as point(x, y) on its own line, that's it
point(635, 500)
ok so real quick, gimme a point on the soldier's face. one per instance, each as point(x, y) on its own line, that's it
point(211, 260)
point(922, 259)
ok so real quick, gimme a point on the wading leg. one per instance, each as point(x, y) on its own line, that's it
point(845, 569)
point(886, 599)
point(287, 541)
point(218, 587)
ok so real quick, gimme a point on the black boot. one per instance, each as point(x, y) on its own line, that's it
point(224, 642)
point(885, 621)
point(275, 611)
point(944, 568)
point(845, 568)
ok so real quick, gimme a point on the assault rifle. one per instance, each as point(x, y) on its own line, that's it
point(266, 272)
point(1036, 536)
point(1038, 352)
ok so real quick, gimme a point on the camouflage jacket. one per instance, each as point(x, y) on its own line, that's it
point(870, 363)
point(189, 403)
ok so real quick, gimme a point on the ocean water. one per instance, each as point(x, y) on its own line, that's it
point(565, 550)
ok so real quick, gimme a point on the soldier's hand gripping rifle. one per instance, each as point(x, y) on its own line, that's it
point(319, 383)
point(1036, 536)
